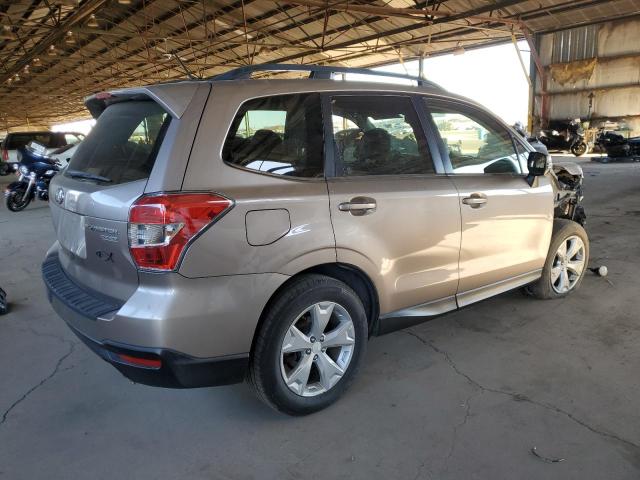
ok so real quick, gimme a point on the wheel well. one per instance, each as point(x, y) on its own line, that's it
point(358, 281)
point(352, 276)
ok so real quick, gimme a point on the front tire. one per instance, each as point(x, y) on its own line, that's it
point(310, 345)
point(566, 262)
point(14, 200)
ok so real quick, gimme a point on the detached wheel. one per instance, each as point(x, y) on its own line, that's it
point(14, 201)
point(310, 345)
point(566, 262)
point(579, 149)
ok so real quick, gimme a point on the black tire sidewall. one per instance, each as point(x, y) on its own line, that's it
point(280, 317)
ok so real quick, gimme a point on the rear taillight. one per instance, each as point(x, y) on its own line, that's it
point(161, 226)
point(5, 155)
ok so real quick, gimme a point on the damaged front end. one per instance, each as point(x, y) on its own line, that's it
point(567, 180)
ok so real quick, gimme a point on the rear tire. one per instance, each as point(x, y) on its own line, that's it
point(560, 275)
point(14, 201)
point(291, 370)
point(579, 149)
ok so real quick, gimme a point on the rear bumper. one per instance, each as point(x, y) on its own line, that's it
point(176, 370)
point(199, 329)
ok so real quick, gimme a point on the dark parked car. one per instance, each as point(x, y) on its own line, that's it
point(51, 140)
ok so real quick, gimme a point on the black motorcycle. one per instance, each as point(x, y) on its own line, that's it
point(570, 138)
point(617, 146)
point(35, 171)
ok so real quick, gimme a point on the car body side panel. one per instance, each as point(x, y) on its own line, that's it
point(409, 245)
point(224, 249)
point(507, 237)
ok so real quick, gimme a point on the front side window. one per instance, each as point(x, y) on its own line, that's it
point(379, 135)
point(280, 135)
point(474, 144)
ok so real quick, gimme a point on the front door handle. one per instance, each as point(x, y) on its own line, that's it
point(359, 206)
point(475, 200)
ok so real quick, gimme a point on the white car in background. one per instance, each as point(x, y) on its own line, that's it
point(64, 154)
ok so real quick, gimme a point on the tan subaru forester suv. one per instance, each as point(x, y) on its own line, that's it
point(234, 228)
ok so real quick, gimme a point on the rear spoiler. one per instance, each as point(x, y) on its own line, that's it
point(174, 98)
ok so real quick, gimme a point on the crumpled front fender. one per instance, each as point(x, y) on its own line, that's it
point(569, 167)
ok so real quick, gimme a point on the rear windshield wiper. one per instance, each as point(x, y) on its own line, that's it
point(88, 176)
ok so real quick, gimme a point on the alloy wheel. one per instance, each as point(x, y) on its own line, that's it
point(568, 264)
point(317, 349)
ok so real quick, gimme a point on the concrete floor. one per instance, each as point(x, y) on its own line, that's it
point(464, 396)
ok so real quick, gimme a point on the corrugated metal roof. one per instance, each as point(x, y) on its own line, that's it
point(53, 53)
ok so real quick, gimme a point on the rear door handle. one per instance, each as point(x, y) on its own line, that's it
point(359, 206)
point(475, 200)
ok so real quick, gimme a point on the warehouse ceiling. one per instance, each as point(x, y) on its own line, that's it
point(54, 53)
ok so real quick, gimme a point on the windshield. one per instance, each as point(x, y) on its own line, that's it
point(122, 147)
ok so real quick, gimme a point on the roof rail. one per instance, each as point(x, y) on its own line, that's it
point(315, 71)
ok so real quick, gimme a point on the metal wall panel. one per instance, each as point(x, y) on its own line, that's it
point(611, 84)
point(575, 44)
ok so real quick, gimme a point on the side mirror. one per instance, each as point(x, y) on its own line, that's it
point(538, 163)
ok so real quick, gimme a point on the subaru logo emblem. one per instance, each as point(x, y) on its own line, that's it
point(60, 196)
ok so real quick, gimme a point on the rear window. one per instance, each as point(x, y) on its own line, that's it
point(122, 146)
point(47, 139)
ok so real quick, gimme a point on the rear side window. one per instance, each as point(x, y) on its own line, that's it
point(280, 135)
point(122, 146)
